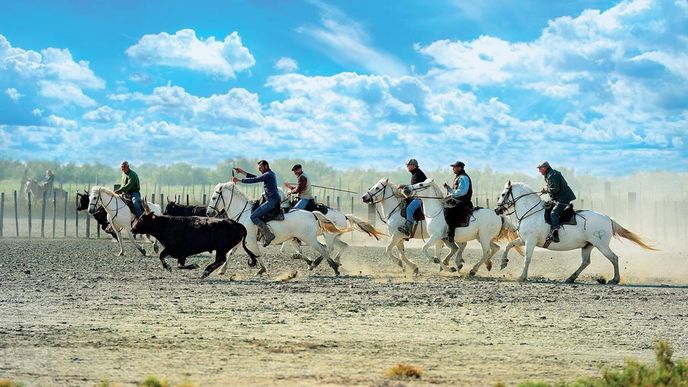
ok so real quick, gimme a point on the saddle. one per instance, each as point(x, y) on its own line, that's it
point(418, 215)
point(567, 217)
point(126, 198)
point(276, 213)
point(311, 206)
point(459, 215)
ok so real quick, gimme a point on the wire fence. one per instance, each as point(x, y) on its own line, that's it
point(54, 215)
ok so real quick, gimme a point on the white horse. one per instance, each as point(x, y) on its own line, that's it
point(119, 215)
point(299, 224)
point(592, 230)
point(391, 199)
point(485, 226)
point(345, 222)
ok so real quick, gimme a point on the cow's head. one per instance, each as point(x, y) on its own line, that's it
point(144, 224)
point(81, 201)
point(171, 207)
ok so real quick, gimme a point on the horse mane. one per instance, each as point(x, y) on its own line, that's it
point(523, 186)
point(231, 186)
point(395, 190)
point(108, 191)
point(437, 189)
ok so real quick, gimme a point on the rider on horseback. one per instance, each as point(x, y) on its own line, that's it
point(460, 192)
point(130, 187)
point(561, 195)
point(303, 189)
point(272, 198)
point(48, 182)
point(417, 176)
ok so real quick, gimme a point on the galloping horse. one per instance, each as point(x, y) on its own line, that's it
point(298, 224)
point(591, 230)
point(119, 215)
point(391, 199)
point(37, 189)
point(485, 226)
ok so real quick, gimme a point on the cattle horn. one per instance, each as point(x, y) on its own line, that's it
point(145, 206)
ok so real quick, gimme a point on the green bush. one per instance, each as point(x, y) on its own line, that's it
point(665, 372)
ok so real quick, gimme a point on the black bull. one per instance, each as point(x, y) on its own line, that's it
point(183, 236)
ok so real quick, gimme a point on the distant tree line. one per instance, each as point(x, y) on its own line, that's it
point(356, 179)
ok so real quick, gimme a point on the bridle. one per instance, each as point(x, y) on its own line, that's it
point(220, 196)
point(505, 206)
point(374, 202)
point(99, 199)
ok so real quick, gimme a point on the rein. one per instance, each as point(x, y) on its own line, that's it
point(527, 213)
point(384, 187)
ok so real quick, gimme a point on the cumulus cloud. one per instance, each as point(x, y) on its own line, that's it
point(13, 94)
point(287, 65)
point(54, 72)
point(184, 50)
point(103, 114)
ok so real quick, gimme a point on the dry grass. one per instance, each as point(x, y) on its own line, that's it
point(9, 383)
point(404, 371)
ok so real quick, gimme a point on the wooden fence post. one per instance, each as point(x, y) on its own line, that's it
point(16, 214)
point(29, 208)
point(204, 199)
point(54, 211)
point(45, 200)
point(65, 215)
point(187, 199)
point(338, 203)
point(88, 225)
point(76, 221)
point(2, 212)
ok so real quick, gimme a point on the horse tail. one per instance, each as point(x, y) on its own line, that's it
point(364, 226)
point(327, 225)
point(620, 232)
point(510, 233)
point(252, 261)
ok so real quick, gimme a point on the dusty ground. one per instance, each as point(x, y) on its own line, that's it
point(72, 314)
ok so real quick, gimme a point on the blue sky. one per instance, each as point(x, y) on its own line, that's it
point(599, 86)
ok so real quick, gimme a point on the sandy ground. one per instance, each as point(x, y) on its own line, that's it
point(73, 314)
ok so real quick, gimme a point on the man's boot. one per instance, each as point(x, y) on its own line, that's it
point(406, 228)
point(553, 235)
point(268, 236)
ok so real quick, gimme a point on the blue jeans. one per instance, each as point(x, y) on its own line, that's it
point(301, 204)
point(411, 209)
point(138, 204)
point(556, 213)
point(264, 209)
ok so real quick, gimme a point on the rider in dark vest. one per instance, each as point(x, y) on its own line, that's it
point(272, 198)
point(417, 176)
point(460, 192)
point(561, 195)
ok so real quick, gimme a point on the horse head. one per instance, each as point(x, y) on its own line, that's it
point(376, 189)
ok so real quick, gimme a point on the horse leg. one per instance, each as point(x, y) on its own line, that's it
point(487, 248)
point(585, 255)
point(131, 236)
point(220, 258)
point(530, 248)
point(342, 246)
point(426, 250)
point(505, 260)
point(407, 262)
point(614, 259)
point(494, 247)
point(458, 259)
point(119, 240)
point(389, 250)
point(322, 249)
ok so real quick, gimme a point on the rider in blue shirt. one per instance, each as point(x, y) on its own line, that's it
point(417, 176)
point(272, 198)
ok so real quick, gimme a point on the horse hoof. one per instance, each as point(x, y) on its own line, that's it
point(205, 275)
point(416, 271)
point(155, 248)
point(472, 273)
point(488, 266)
point(435, 260)
point(522, 279)
point(459, 267)
point(570, 280)
point(261, 272)
point(168, 268)
point(613, 282)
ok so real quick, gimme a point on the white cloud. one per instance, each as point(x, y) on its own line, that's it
point(64, 93)
point(103, 114)
point(13, 94)
point(287, 65)
point(37, 112)
point(53, 71)
point(347, 42)
point(61, 122)
point(184, 50)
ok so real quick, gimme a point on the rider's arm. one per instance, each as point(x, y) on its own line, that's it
point(463, 187)
point(251, 178)
point(302, 185)
point(554, 185)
